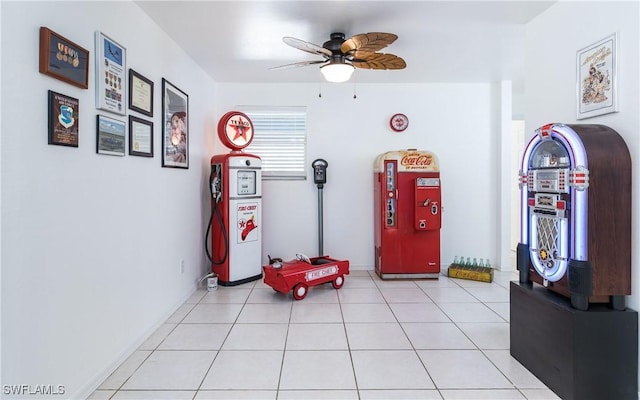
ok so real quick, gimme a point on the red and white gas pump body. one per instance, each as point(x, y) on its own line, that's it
point(407, 214)
point(575, 219)
point(236, 223)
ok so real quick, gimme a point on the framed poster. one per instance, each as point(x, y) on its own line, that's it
point(62, 59)
point(140, 93)
point(597, 78)
point(110, 136)
point(63, 119)
point(175, 126)
point(140, 137)
point(111, 80)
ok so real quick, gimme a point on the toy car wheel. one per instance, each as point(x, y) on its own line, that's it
point(338, 282)
point(300, 291)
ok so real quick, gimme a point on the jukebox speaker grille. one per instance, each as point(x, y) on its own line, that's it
point(547, 233)
point(549, 249)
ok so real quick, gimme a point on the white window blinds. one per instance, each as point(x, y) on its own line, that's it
point(280, 140)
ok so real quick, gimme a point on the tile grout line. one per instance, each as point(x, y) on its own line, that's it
point(204, 377)
point(284, 351)
point(415, 351)
point(346, 335)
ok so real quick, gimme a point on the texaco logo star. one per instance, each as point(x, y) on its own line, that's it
point(241, 131)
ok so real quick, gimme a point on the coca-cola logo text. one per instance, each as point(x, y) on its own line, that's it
point(416, 160)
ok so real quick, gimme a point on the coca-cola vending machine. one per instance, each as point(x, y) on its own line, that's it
point(407, 214)
point(575, 236)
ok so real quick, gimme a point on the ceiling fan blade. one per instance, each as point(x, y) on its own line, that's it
point(298, 64)
point(306, 46)
point(368, 60)
point(371, 42)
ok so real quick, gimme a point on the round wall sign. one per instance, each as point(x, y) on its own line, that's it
point(235, 130)
point(399, 122)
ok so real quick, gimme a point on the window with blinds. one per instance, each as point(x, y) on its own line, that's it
point(280, 140)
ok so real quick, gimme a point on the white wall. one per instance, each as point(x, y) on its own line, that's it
point(552, 41)
point(517, 148)
point(91, 244)
point(456, 121)
point(506, 174)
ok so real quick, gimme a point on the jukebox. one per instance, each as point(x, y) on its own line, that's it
point(575, 216)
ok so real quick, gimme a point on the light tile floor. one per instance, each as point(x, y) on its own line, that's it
point(372, 339)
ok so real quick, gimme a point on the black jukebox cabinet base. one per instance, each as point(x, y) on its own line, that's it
point(577, 354)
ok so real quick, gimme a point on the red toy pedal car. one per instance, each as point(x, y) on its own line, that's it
point(297, 275)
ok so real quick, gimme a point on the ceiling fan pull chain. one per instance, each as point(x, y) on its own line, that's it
point(354, 87)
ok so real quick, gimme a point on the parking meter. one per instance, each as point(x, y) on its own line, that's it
point(320, 172)
point(320, 178)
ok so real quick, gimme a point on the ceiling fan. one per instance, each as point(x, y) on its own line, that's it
point(341, 56)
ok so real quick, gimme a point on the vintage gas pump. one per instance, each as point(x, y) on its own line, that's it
point(236, 205)
point(407, 214)
point(575, 236)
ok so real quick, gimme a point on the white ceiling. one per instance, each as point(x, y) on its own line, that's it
point(441, 41)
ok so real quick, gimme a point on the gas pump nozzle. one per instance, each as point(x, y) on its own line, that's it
point(216, 182)
point(216, 191)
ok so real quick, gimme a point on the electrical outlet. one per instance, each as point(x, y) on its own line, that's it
point(181, 267)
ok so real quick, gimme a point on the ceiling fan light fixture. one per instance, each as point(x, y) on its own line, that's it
point(337, 72)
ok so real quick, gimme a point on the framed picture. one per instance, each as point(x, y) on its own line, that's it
point(140, 93)
point(110, 136)
point(140, 137)
point(63, 120)
point(597, 78)
point(175, 126)
point(62, 59)
point(111, 80)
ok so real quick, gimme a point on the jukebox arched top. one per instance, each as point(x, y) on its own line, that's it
point(549, 154)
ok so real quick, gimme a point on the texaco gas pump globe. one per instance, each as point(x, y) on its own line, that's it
point(235, 130)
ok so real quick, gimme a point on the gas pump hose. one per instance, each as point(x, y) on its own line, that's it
point(216, 211)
